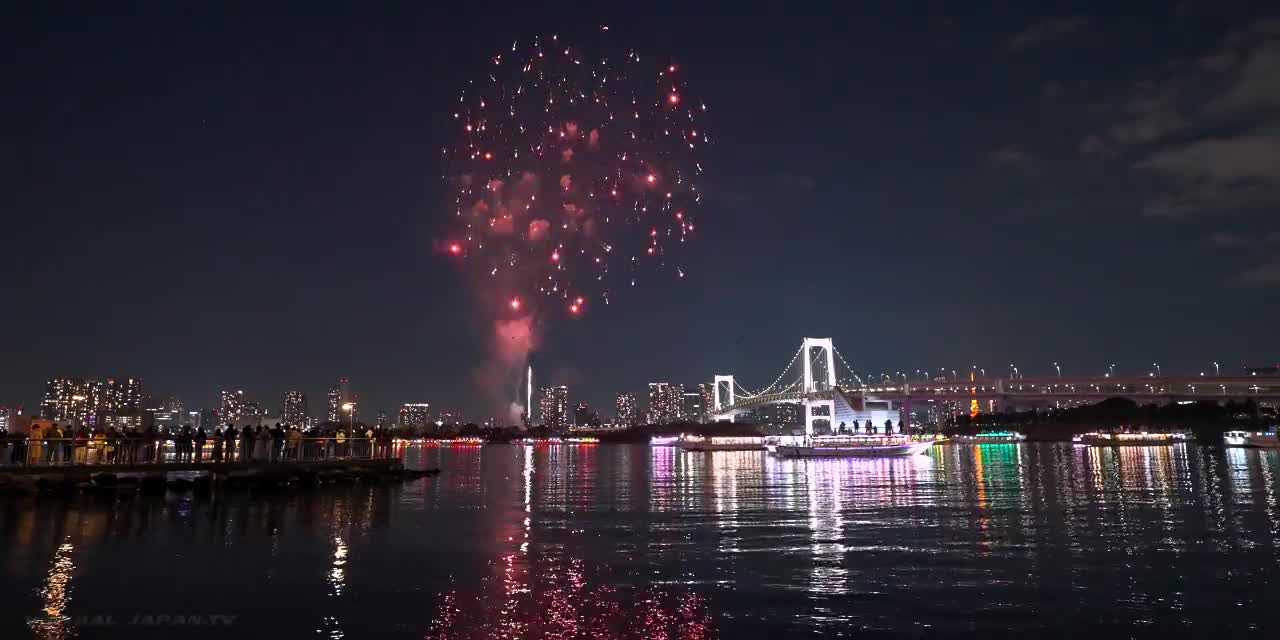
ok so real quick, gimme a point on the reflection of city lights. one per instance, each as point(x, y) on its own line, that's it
point(52, 623)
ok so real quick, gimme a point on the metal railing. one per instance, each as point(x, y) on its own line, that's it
point(125, 451)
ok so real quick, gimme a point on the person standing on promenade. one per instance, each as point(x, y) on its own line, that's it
point(277, 442)
point(200, 440)
point(293, 442)
point(35, 444)
point(54, 436)
point(230, 437)
point(246, 443)
point(217, 444)
point(81, 454)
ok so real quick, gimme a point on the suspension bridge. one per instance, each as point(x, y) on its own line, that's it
point(812, 380)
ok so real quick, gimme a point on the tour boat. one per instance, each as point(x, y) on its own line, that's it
point(865, 446)
point(991, 437)
point(1257, 439)
point(722, 443)
point(1128, 438)
point(664, 441)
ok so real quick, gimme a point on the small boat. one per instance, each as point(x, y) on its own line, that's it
point(990, 437)
point(664, 441)
point(722, 443)
point(1256, 439)
point(867, 446)
point(1129, 438)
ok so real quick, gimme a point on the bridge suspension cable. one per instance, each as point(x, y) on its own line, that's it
point(746, 393)
point(847, 366)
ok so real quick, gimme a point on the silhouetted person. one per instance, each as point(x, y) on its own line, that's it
point(888, 426)
point(230, 437)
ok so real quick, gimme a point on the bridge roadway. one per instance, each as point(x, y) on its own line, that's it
point(1146, 390)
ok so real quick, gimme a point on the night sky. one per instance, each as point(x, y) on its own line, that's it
point(246, 201)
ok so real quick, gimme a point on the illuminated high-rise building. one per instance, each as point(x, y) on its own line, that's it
point(666, 402)
point(6, 418)
point(60, 394)
point(706, 395)
point(626, 413)
point(293, 409)
point(691, 407)
point(415, 415)
point(382, 420)
point(553, 407)
point(236, 406)
point(85, 401)
point(340, 396)
point(126, 395)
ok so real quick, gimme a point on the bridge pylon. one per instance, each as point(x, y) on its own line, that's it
point(723, 399)
point(828, 353)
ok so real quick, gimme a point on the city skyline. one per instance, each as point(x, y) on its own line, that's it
point(1053, 193)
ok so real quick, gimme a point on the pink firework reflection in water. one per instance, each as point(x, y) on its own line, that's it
point(558, 600)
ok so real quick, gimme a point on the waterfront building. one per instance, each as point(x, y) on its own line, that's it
point(6, 418)
point(293, 409)
point(553, 406)
point(583, 416)
point(381, 420)
point(626, 414)
point(666, 402)
point(122, 421)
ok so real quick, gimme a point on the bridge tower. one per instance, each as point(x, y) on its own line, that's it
point(818, 409)
point(723, 398)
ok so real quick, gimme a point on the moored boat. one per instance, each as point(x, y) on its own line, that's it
point(866, 446)
point(1255, 439)
point(990, 437)
point(1129, 438)
point(722, 443)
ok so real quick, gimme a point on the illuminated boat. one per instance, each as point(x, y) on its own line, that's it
point(582, 440)
point(865, 446)
point(1256, 439)
point(990, 437)
point(722, 443)
point(664, 441)
point(1129, 438)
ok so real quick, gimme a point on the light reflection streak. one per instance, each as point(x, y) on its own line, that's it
point(52, 623)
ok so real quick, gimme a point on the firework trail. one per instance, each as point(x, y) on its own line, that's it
point(574, 176)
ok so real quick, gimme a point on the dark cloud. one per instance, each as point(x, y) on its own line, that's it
point(1045, 32)
point(1266, 274)
point(1209, 127)
point(1241, 172)
point(1010, 155)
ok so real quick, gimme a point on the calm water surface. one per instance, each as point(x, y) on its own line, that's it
point(625, 541)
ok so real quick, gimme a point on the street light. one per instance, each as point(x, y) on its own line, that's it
point(1113, 371)
point(1216, 370)
point(1157, 366)
point(350, 408)
point(1055, 366)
